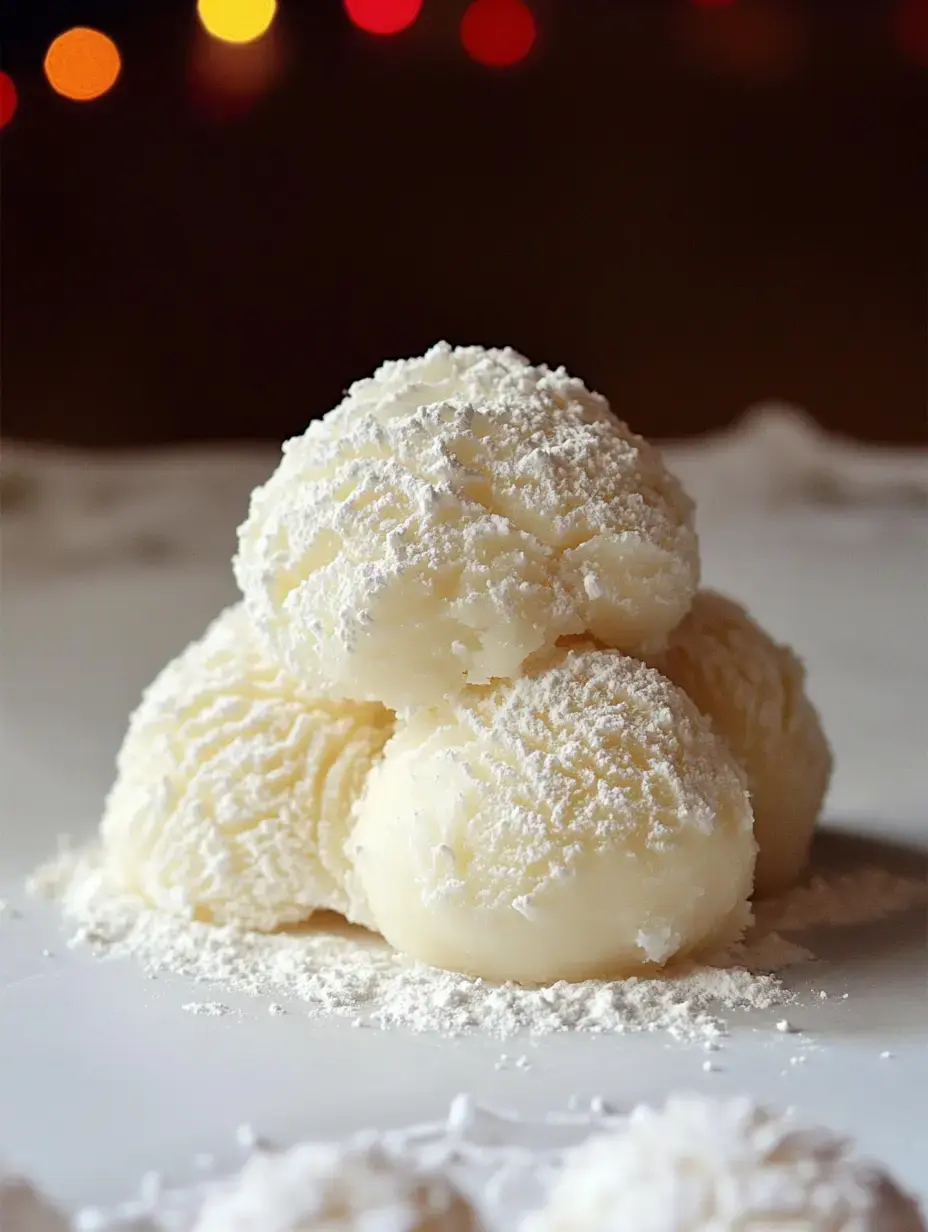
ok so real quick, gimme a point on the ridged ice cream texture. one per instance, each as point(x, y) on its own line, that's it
point(580, 820)
point(453, 516)
point(753, 689)
point(700, 1165)
point(235, 787)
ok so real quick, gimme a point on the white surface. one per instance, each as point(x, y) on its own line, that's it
point(103, 1078)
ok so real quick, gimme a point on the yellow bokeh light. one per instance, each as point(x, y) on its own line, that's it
point(82, 64)
point(236, 21)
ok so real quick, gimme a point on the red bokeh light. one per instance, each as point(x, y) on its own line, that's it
point(910, 24)
point(8, 99)
point(498, 32)
point(383, 16)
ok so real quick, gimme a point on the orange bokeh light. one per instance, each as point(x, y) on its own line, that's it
point(383, 16)
point(82, 64)
point(498, 32)
point(8, 99)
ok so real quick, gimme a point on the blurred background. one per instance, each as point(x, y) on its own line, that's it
point(212, 222)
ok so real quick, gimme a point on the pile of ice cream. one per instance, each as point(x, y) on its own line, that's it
point(473, 697)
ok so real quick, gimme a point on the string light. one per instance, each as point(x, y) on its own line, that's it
point(8, 99)
point(383, 16)
point(498, 32)
point(82, 64)
point(236, 21)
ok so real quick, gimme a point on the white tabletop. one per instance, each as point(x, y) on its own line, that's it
point(110, 569)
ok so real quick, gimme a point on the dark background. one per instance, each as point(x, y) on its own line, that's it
point(694, 209)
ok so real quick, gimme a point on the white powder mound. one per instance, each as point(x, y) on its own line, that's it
point(753, 689)
point(581, 820)
point(323, 1186)
point(334, 970)
point(698, 1165)
point(841, 900)
point(330, 969)
point(23, 1209)
point(235, 787)
point(401, 551)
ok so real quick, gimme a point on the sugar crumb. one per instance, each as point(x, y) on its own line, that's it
point(207, 1009)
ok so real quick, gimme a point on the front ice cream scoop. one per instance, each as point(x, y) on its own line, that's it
point(580, 821)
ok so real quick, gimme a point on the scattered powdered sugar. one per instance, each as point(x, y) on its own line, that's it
point(207, 1009)
point(343, 971)
point(859, 897)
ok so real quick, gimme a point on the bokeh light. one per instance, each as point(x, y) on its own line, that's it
point(226, 79)
point(383, 16)
point(498, 32)
point(236, 21)
point(8, 99)
point(910, 26)
point(82, 64)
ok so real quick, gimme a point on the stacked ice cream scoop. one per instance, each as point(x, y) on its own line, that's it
point(473, 697)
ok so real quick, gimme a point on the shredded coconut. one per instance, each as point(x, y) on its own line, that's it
point(696, 1165)
point(344, 1189)
point(334, 969)
point(699, 1165)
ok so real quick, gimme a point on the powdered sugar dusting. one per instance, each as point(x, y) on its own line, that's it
point(858, 897)
point(335, 970)
point(588, 797)
point(438, 528)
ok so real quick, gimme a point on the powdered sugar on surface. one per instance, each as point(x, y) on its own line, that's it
point(207, 1009)
point(333, 969)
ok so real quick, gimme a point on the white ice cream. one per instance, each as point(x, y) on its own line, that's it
point(235, 787)
point(579, 821)
point(753, 690)
point(406, 548)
